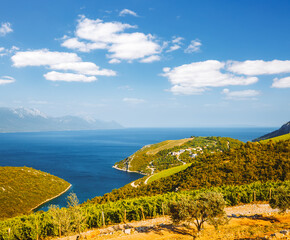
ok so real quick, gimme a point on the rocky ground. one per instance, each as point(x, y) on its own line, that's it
point(255, 221)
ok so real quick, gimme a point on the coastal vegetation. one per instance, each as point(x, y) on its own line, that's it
point(276, 139)
point(167, 172)
point(248, 163)
point(206, 207)
point(236, 172)
point(59, 221)
point(22, 189)
point(160, 156)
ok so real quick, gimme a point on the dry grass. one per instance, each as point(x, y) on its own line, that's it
point(248, 224)
point(166, 145)
point(238, 228)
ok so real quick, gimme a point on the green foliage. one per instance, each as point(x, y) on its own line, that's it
point(159, 155)
point(168, 172)
point(25, 227)
point(248, 163)
point(206, 207)
point(276, 139)
point(23, 188)
point(281, 199)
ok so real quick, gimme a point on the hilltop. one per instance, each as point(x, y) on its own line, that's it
point(247, 163)
point(171, 153)
point(285, 129)
point(22, 189)
point(33, 120)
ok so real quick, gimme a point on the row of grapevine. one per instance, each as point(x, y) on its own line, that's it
point(57, 222)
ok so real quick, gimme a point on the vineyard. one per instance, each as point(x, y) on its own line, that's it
point(76, 218)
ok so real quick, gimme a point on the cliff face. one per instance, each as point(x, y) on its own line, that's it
point(281, 131)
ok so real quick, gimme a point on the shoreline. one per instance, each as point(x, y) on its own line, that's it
point(47, 200)
point(128, 170)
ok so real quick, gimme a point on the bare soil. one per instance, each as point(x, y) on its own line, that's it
point(252, 221)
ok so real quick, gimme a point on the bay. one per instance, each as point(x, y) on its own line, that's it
point(85, 158)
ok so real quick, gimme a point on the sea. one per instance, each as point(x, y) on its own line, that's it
point(85, 158)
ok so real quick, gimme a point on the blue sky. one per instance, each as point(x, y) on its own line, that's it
point(146, 63)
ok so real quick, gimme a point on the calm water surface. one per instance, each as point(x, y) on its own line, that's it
point(85, 158)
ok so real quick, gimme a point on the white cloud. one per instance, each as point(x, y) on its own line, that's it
point(259, 67)
point(173, 48)
point(74, 43)
point(194, 46)
point(132, 46)
point(133, 100)
point(4, 52)
point(196, 77)
point(87, 68)
point(125, 12)
point(114, 61)
point(43, 57)
point(68, 77)
point(177, 40)
point(186, 90)
point(150, 59)
point(61, 61)
point(281, 83)
point(111, 36)
point(99, 31)
point(241, 95)
point(6, 80)
point(5, 28)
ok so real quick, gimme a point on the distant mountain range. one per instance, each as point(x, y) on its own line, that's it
point(281, 131)
point(32, 120)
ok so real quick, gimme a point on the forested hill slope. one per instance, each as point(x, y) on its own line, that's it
point(23, 188)
point(157, 157)
point(281, 131)
point(249, 163)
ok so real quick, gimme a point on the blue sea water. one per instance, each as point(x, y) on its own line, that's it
point(85, 158)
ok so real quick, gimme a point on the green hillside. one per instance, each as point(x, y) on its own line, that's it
point(171, 153)
point(47, 226)
point(248, 163)
point(167, 172)
point(276, 139)
point(23, 188)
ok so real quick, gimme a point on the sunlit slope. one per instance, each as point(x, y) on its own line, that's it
point(23, 188)
point(155, 148)
point(276, 139)
point(248, 163)
point(167, 172)
point(171, 153)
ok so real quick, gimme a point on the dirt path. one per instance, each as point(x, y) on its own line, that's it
point(244, 219)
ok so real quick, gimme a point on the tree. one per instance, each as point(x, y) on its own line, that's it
point(206, 207)
point(61, 218)
point(77, 213)
point(281, 199)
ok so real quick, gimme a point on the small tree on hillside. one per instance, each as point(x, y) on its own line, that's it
point(77, 213)
point(61, 219)
point(206, 207)
point(281, 199)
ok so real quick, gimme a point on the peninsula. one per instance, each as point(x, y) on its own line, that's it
point(22, 189)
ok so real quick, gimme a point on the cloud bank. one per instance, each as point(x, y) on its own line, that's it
point(197, 77)
point(120, 45)
point(74, 69)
